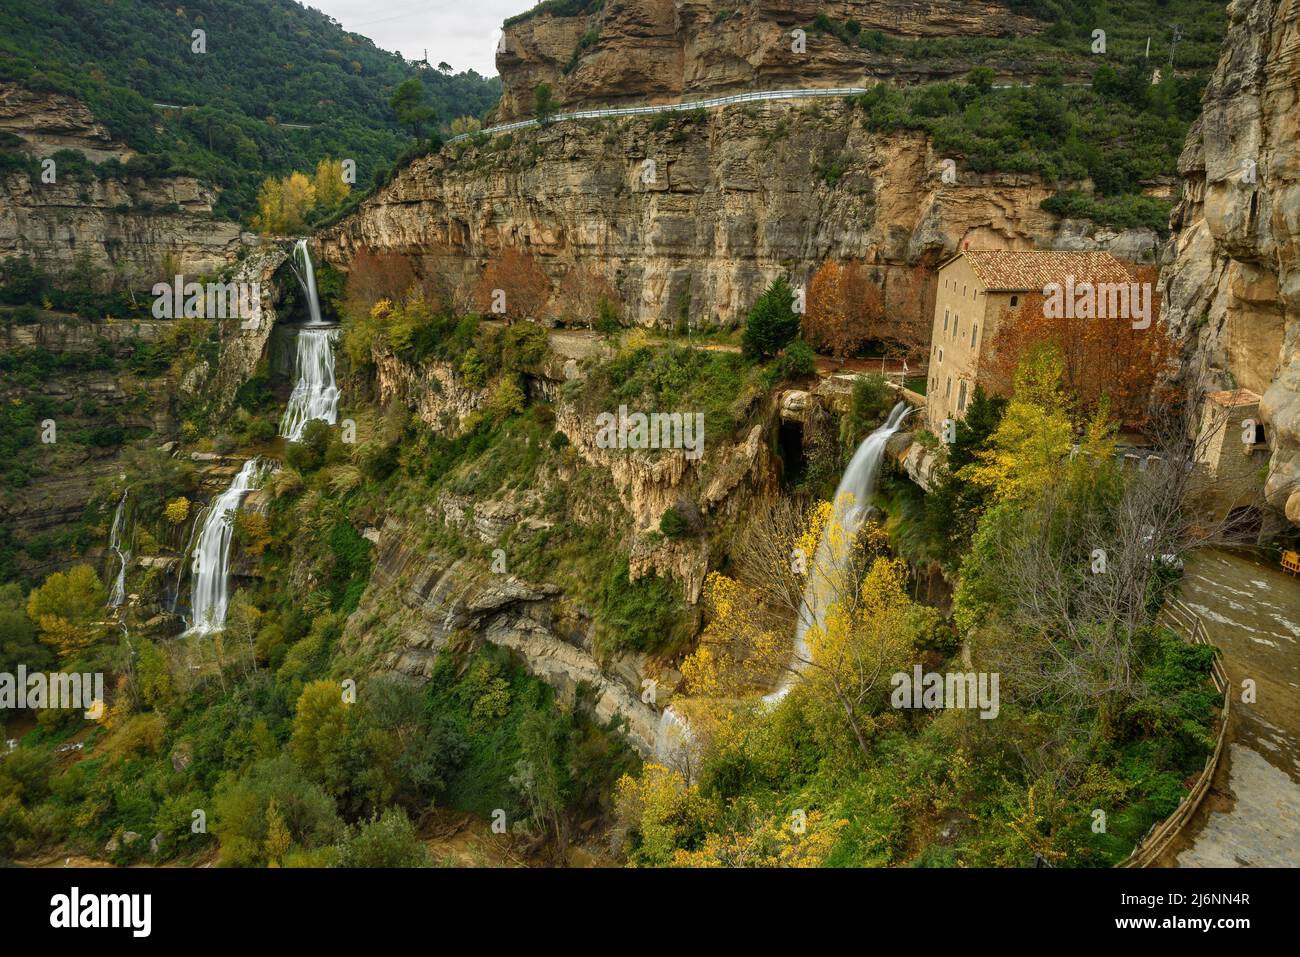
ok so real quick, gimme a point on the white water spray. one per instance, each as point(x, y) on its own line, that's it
point(210, 584)
point(315, 391)
point(849, 508)
point(674, 742)
point(118, 595)
point(307, 279)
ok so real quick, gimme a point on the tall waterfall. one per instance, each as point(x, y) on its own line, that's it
point(674, 740)
point(118, 595)
point(307, 278)
point(210, 582)
point(315, 392)
point(849, 508)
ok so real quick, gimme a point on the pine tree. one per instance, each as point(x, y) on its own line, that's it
point(772, 321)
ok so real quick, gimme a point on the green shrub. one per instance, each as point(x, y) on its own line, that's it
point(672, 524)
point(644, 615)
point(386, 840)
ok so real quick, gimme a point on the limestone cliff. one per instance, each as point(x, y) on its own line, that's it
point(244, 341)
point(1233, 285)
point(66, 475)
point(420, 601)
point(123, 225)
point(431, 586)
point(736, 197)
point(651, 51)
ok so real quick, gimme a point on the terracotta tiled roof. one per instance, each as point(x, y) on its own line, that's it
point(1232, 397)
point(1005, 270)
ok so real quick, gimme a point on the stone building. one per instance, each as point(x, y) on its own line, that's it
point(1231, 451)
point(976, 291)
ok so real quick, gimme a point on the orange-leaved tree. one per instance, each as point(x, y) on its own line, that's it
point(513, 286)
point(1106, 361)
point(844, 309)
point(582, 290)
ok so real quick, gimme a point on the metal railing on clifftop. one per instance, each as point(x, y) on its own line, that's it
point(683, 106)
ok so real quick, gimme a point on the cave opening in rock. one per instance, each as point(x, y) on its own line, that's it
point(790, 444)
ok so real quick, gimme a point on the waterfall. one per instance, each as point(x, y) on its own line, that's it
point(180, 566)
point(673, 739)
point(315, 392)
point(118, 595)
point(210, 581)
point(849, 508)
point(307, 279)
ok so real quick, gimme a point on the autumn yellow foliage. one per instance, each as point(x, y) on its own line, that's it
point(65, 608)
point(855, 598)
point(1034, 445)
point(284, 204)
point(177, 510)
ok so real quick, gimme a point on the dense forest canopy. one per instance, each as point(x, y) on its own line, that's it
point(267, 63)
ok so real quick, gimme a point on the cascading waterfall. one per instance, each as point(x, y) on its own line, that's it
point(210, 582)
point(852, 498)
point(307, 278)
point(673, 738)
point(118, 595)
point(315, 392)
point(849, 508)
point(189, 550)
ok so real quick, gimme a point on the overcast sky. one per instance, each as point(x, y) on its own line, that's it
point(460, 32)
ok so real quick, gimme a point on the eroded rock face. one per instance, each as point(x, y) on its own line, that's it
point(56, 496)
point(1233, 286)
point(650, 51)
point(127, 227)
point(432, 389)
point(650, 482)
point(50, 121)
point(738, 196)
point(438, 598)
point(244, 341)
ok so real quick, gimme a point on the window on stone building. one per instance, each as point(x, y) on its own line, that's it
point(961, 397)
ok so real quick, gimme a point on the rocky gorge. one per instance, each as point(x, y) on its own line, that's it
point(462, 501)
point(1232, 270)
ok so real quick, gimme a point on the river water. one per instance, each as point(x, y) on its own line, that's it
point(1251, 610)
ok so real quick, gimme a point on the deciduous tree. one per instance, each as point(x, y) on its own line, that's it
point(513, 280)
point(65, 608)
point(1103, 360)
